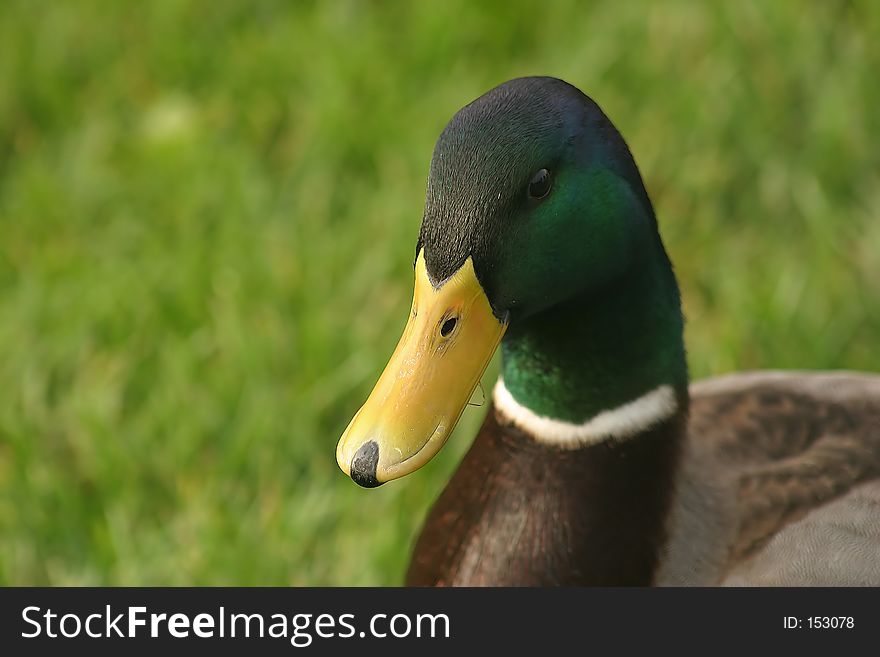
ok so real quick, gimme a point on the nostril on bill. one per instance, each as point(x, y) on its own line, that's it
point(363, 465)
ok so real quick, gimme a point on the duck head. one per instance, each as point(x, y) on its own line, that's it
point(533, 200)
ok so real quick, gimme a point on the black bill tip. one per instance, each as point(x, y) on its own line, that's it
point(363, 465)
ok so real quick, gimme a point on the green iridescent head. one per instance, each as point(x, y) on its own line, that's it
point(535, 183)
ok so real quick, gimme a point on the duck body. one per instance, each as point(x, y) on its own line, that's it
point(776, 484)
point(598, 462)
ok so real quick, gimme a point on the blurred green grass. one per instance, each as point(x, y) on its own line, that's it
point(208, 216)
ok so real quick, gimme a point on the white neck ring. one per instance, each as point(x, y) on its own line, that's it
point(618, 423)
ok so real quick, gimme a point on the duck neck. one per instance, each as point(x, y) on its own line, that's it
point(599, 387)
point(601, 351)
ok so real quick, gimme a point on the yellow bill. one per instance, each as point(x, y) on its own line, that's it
point(445, 348)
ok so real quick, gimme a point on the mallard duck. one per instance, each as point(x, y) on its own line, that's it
point(598, 463)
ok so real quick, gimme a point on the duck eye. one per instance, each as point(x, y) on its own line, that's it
point(540, 184)
point(448, 327)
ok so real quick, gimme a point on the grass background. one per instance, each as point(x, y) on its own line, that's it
point(207, 219)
